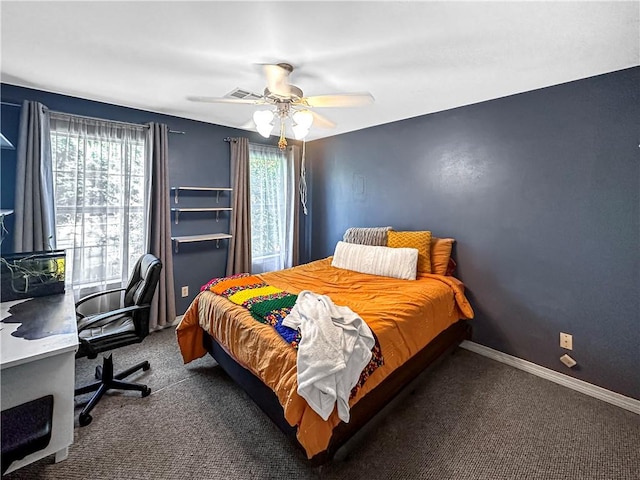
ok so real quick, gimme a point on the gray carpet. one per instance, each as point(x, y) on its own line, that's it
point(468, 418)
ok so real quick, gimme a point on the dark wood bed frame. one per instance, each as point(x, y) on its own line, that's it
point(367, 406)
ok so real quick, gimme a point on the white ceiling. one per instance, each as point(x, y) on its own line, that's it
point(414, 57)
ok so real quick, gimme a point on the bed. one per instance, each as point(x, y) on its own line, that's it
point(414, 322)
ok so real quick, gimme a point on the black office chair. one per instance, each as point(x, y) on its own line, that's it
point(118, 328)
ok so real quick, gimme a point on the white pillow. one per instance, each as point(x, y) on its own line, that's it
point(388, 262)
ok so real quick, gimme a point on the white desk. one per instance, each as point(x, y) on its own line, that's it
point(38, 339)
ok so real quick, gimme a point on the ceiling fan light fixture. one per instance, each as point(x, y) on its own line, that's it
point(263, 119)
point(303, 118)
point(264, 130)
point(299, 131)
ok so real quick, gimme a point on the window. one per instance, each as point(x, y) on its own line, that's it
point(99, 175)
point(272, 187)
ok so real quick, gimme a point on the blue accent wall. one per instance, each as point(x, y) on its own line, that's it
point(200, 157)
point(541, 191)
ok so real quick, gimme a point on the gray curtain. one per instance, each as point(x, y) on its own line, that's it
point(239, 255)
point(163, 305)
point(34, 203)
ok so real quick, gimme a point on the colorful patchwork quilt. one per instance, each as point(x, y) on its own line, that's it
point(271, 305)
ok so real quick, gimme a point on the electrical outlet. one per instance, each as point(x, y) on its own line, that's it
point(185, 291)
point(567, 360)
point(566, 341)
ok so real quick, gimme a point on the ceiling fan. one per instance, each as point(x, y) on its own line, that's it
point(287, 101)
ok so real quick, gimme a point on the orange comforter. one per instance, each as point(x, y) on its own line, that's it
point(404, 314)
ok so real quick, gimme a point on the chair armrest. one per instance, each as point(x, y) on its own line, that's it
point(98, 294)
point(87, 322)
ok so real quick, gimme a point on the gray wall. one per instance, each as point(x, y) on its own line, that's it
point(541, 191)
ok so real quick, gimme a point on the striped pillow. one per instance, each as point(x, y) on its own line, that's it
point(387, 262)
point(367, 235)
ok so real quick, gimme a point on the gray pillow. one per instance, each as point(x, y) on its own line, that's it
point(376, 236)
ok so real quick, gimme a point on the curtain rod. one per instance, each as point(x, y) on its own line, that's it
point(112, 121)
point(10, 104)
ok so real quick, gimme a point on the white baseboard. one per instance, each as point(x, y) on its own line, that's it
point(581, 386)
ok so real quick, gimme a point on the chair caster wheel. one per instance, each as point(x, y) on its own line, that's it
point(85, 419)
point(146, 392)
point(98, 373)
point(146, 366)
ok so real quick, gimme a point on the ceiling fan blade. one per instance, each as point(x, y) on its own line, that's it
point(321, 121)
point(341, 100)
point(278, 78)
point(248, 101)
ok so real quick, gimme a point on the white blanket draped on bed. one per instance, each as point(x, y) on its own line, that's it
point(334, 349)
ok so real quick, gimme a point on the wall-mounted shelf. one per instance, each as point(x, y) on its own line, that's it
point(216, 209)
point(201, 189)
point(199, 238)
point(208, 236)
